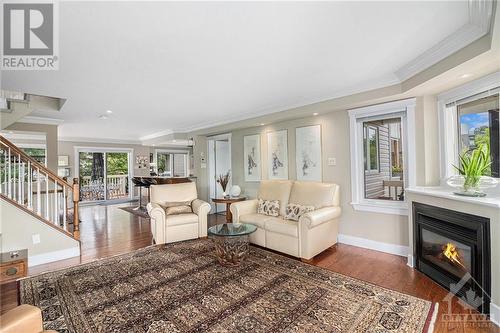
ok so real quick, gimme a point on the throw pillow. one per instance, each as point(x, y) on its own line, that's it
point(174, 208)
point(268, 207)
point(178, 210)
point(295, 211)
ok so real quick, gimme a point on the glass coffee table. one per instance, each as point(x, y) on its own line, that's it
point(231, 242)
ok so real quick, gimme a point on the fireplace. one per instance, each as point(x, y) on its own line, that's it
point(449, 245)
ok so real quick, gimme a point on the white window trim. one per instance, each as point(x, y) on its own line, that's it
point(448, 122)
point(389, 110)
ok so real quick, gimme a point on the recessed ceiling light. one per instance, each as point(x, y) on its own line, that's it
point(174, 140)
point(109, 111)
point(103, 116)
point(315, 114)
point(153, 145)
point(262, 124)
point(464, 76)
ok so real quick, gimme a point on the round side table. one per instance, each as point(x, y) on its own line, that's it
point(228, 201)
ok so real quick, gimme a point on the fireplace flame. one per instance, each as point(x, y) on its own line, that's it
point(450, 251)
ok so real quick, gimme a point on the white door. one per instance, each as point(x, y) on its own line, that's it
point(219, 164)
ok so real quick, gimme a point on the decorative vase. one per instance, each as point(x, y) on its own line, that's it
point(468, 188)
point(235, 191)
point(224, 194)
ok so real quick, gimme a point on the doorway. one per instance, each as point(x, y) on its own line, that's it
point(104, 174)
point(219, 163)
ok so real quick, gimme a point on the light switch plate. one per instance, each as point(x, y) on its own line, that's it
point(36, 238)
point(332, 161)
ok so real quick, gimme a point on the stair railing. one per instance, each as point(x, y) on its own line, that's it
point(34, 188)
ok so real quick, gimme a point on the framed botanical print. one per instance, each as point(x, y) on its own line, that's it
point(277, 154)
point(308, 153)
point(252, 160)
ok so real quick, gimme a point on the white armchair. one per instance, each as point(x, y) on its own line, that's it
point(179, 227)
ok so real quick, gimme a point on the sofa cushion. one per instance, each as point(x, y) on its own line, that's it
point(268, 207)
point(276, 190)
point(257, 220)
point(313, 194)
point(295, 211)
point(180, 219)
point(281, 226)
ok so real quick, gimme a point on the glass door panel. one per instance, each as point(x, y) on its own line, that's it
point(117, 176)
point(91, 174)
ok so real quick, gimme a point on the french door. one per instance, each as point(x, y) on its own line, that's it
point(104, 174)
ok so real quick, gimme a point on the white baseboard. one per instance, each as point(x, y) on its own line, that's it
point(44, 258)
point(399, 250)
point(495, 313)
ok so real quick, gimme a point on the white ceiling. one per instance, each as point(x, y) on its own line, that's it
point(164, 67)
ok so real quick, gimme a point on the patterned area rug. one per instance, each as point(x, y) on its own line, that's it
point(181, 288)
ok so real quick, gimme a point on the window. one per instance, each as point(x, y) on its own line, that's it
point(469, 118)
point(382, 145)
point(39, 154)
point(478, 123)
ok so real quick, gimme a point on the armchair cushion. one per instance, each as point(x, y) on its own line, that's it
point(320, 216)
point(180, 219)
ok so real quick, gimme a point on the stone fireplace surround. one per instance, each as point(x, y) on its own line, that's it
point(487, 207)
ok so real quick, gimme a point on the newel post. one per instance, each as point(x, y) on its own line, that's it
point(76, 199)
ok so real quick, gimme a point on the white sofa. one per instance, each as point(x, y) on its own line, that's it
point(313, 233)
point(175, 228)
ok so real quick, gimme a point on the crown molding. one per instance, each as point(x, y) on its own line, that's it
point(40, 120)
point(480, 14)
point(99, 140)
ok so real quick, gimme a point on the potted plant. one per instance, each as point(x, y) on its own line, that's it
point(474, 165)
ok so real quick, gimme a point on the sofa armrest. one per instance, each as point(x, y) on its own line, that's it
point(243, 208)
point(320, 216)
point(24, 318)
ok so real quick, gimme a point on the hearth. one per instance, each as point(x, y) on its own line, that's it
point(450, 245)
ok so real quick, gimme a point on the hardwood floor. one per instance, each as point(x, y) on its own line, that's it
point(107, 230)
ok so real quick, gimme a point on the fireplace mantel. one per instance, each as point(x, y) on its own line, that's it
point(491, 200)
point(488, 207)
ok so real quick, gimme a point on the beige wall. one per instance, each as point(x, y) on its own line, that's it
point(17, 228)
point(385, 228)
point(50, 139)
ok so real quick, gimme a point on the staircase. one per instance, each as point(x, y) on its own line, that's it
point(30, 186)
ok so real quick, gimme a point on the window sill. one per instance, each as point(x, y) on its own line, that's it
point(382, 206)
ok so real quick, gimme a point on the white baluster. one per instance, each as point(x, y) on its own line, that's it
point(19, 188)
point(65, 225)
point(30, 186)
point(22, 181)
point(47, 197)
point(56, 212)
point(38, 195)
point(9, 177)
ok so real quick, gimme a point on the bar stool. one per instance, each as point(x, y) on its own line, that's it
point(138, 182)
